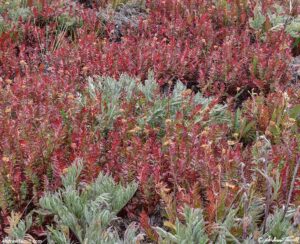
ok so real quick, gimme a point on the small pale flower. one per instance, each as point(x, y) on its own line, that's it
point(5, 159)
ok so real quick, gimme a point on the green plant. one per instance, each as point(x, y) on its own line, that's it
point(13, 7)
point(243, 130)
point(259, 19)
point(192, 231)
point(278, 18)
point(151, 107)
point(88, 211)
point(18, 228)
point(15, 10)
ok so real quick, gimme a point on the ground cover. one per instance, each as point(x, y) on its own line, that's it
point(181, 118)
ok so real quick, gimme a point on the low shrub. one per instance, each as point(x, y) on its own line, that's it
point(207, 115)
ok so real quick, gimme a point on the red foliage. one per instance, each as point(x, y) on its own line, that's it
point(208, 47)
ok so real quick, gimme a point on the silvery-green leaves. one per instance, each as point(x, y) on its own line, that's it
point(259, 19)
point(151, 107)
point(278, 18)
point(192, 231)
point(87, 211)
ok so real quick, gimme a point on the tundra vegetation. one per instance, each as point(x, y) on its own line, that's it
point(149, 121)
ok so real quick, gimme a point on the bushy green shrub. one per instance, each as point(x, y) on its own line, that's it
point(151, 106)
point(88, 212)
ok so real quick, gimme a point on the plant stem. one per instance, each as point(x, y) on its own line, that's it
point(230, 207)
point(291, 188)
point(268, 196)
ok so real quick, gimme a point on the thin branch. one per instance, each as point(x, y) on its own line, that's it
point(291, 188)
point(246, 201)
point(268, 195)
